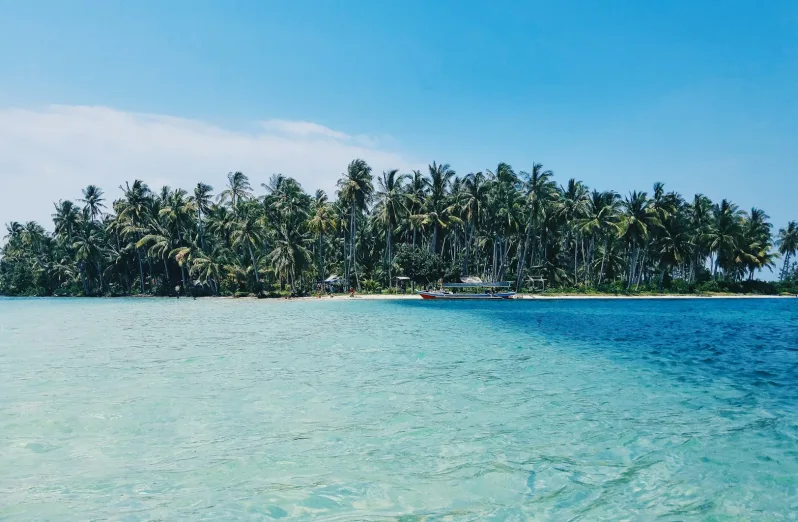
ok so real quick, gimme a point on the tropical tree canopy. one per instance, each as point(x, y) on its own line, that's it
point(499, 224)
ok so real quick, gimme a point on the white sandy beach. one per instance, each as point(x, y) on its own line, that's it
point(395, 297)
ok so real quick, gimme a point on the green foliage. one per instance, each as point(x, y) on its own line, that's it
point(740, 287)
point(371, 287)
point(419, 264)
point(500, 225)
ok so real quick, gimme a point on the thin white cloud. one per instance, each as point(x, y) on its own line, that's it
point(52, 153)
point(303, 128)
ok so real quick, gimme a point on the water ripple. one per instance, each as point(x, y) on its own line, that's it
point(141, 409)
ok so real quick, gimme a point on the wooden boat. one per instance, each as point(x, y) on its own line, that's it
point(440, 294)
point(483, 290)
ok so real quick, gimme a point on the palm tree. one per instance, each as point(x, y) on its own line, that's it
point(788, 245)
point(202, 204)
point(66, 219)
point(505, 211)
point(438, 209)
point(184, 255)
point(133, 210)
point(221, 223)
point(89, 250)
point(13, 229)
point(290, 255)
point(540, 192)
point(322, 222)
point(484, 224)
point(210, 268)
point(284, 199)
point(93, 199)
point(673, 245)
point(473, 198)
point(601, 221)
point(724, 236)
point(573, 206)
point(177, 211)
point(699, 218)
point(416, 197)
point(238, 189)
point(277, 184)
point(355, 189)
point(159, 245)
point(391, 206)
point(635, 227)
point(756, 241)
point(249, 233)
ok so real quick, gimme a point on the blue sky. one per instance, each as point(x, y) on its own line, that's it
point(700, 95)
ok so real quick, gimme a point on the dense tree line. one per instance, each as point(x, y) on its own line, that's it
point(500, 224)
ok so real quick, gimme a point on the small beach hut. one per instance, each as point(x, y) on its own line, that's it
point(401, 281)
point(331, 282)
point(534, 280)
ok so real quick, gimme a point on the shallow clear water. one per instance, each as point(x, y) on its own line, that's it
point(141, 409)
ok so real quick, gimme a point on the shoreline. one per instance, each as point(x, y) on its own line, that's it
point(540, 297)
point(404, 297)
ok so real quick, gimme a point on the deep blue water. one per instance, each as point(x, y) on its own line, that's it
point(142, 409)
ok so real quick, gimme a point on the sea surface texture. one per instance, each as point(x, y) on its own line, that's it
point(346, 409)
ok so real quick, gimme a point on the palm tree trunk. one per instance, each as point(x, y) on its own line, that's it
point(199, 228)
point(500, 260)
point(640, 273)
point(100, 276)
point(254, 263)
point(319, 259)
point(522, 257)
point(352, 241)
point(345, 245)
point(82, 269)
point(632, 266)
point(494, 266)
point(468, 240)
point(388, 235)
point(785, 268)
point(349, 268)
point(475, 240)
point(141, 270)
point(354, 247)
point(603, 257)
point(467, 253)
point(165, 272)
point(505, 257)
point(151, 276)
point(586, 259)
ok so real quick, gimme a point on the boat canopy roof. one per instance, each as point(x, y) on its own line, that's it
point(498, 284)
point(332, 279)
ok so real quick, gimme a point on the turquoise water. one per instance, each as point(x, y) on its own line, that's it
point(142, 409)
